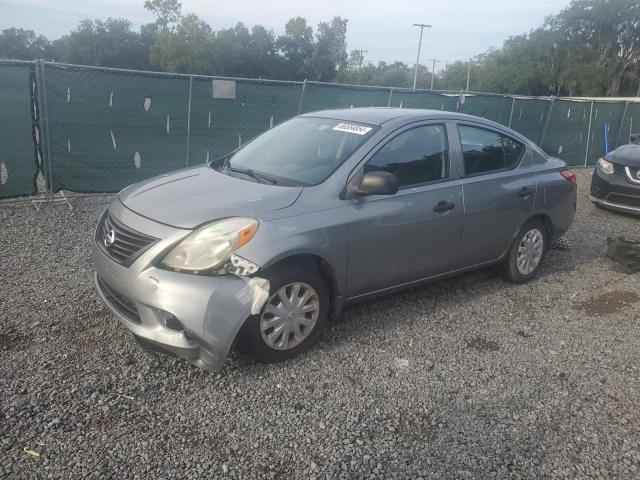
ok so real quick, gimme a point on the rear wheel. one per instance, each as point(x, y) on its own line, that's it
point(525, 257)
point(292, 317)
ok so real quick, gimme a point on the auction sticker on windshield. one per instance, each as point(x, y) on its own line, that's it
point(352, 128)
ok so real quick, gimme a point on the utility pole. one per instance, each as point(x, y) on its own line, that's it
point(468, 75)
point(362, 53)
point(415, 72)
point(433, 69)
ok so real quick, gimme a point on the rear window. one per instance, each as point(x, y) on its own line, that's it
point(486, 151)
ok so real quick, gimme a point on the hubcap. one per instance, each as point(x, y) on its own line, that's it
point(289, 316)
point(530, 251)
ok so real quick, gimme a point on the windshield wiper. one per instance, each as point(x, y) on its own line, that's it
point(257, 175)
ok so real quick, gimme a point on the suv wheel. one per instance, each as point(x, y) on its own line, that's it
point(292, 317)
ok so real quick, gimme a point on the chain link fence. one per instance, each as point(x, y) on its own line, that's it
point(95, 130)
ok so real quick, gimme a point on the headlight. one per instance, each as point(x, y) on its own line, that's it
point(605, 166)
point(211, 246)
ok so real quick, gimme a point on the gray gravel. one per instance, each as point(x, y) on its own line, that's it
point(465, 378)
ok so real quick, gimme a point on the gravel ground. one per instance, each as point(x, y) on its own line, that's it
point(465, 378)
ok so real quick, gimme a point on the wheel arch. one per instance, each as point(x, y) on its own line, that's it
point(548, 224)
point(326, 270)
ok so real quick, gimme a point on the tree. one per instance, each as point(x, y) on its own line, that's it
point(296, 47)
point(19, 44)
point(330, 50)
point(109, 43)
point(167, 12)
point(185, 50)
point(609, 31)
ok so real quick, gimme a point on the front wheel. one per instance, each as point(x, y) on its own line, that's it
point(525, 257)
point(292, 317)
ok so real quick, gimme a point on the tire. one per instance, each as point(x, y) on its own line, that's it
point(252, 337)
point(536, 243)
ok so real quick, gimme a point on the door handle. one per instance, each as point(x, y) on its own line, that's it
point(443, 206)
point(525, 192)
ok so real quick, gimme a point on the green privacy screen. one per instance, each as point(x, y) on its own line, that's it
point(110, 129)
point(318, 96)
point(567, 131)
point(220, 125)
point(528, 117)
point(429, 100)
point(18, 167)
point(630, 124)
point(609, 114)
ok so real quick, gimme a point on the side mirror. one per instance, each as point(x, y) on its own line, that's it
point(634, 138)
point(378, 183)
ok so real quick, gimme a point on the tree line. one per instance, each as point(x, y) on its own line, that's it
point(591, 48)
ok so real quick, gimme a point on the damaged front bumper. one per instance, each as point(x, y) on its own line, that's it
point(191, 316)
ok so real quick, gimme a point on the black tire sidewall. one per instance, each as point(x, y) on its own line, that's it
point(511, 270)
point(250, 336)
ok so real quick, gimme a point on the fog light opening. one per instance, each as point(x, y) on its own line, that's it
point(168, 320)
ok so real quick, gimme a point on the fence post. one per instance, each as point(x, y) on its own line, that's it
point(513, 104)
point(546, 123)
point(304, 89)
point(621, 124)
point(44, 127)
point(189, 119)
point(586, 152)
point(390, 95)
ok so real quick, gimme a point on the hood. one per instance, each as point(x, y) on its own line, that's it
point(191, 197)
point(628, 155)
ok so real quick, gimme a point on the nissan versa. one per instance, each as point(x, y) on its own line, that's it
point(326, 209)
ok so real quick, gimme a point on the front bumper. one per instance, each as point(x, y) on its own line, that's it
point(210, 310)
point(615, 192)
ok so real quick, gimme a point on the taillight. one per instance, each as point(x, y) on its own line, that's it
point(569, 176)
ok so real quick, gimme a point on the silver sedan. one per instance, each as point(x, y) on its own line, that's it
point(329, 208)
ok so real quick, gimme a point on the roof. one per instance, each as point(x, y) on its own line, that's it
point(378, 115)
point(374, 115)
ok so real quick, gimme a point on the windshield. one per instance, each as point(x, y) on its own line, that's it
point(301, 151)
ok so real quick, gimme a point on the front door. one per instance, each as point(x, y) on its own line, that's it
point(415, 233)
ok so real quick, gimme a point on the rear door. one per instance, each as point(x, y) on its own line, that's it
point(415, 233)
point(499, 191)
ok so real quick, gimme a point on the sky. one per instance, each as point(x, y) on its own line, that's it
point(460, 29)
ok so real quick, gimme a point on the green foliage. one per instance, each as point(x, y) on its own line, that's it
point(187, 50)
point(109, 43)
point(20, 44)
point(296, 47)
point(330, 51)
point(167, 13)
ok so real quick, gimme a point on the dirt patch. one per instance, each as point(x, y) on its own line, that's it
point(607, 303)
point(483, 345)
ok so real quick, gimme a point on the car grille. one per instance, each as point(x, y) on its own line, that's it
point(624, 200)
point(121, 243)
point(619, 169)
point(119, 302)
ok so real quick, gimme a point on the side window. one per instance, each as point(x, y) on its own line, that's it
point(416, 156)
point(485, 151)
